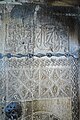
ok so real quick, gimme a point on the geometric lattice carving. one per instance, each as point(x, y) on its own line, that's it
point(37, 81)
point(44, 79)
point(55, 82)
point(45, 86)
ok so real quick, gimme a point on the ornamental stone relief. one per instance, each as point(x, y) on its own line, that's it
point(45, 85)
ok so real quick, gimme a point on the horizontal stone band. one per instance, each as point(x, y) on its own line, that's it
point(39, 55)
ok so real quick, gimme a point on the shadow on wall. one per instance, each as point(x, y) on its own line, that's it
point(46, 14)
point(63, 2)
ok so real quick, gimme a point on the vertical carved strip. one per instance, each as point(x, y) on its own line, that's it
point(75, 106)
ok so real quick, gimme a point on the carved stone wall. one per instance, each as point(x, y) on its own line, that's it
point(45, 84)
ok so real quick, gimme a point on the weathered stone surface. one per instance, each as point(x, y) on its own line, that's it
point(46, 87)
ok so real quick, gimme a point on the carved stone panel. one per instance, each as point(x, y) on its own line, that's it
point(45, 85)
